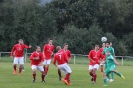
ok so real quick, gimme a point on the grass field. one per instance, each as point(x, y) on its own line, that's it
point(79, 78)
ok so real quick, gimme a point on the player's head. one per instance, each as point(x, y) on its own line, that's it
point(20, 41)
point(103, 45)
point(38, 49)
point(108, 53)
point(58, 48)
point(107, 44)
point(96, 47)
point(65, 46)
point(50, 41)
point(110, 43)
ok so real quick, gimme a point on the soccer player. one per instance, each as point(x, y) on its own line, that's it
point(18, 53)
point(94, 57)
point(101, 65)
point(111, 62)
point(61, 58)
point(36, 63)
point(68, 53)
point(111, 50)
point(47, 52)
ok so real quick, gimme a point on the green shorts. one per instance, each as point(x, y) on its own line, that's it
point(109, 69)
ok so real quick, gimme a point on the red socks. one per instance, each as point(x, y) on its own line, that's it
point(94, 77)
point(34, 76)
point(14, 66)
point(68, 77)
point(59, 73)
point(42, 77)
point(46, 70)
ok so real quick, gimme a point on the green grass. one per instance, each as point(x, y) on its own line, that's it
point(79, 78)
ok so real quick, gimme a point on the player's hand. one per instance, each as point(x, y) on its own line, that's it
point(30, 46)
point(40, 64)
point(37, 58)
point(93, 61)
point(11, 56)
point(118, 63)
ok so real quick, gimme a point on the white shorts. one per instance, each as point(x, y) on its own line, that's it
point(18, 60)
point(34, 67)
point(91, 67)
point(46, 62)
point(65, 68)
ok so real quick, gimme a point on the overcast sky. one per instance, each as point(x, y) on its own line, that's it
point(45, 1)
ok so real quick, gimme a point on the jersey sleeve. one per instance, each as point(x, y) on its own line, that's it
point(42, 57)
point(32, 56)
point(70, 56)
point(12, 52)
point(90, 55)
point(25, 46)
point(113, 52)
point(65, 57)
point(103, 52)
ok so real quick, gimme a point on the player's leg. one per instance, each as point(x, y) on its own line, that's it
point(101, 68)
point(106, 72)
point(23, 68)
point(91, 72)
point(59, 73)
point(118, 73)
point(34, 67)
point(40, 68)
point(96, 66)
point(47, 66)
point(69, 71)
point(15, 62)
point(21, 62)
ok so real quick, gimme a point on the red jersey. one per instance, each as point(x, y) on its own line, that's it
point(68, 53)
point(18, 50)
point(101, 50)
point(96, 56)
point(34, 55)
point(60, 57)
point(48, 50)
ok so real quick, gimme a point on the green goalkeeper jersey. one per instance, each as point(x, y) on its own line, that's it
point(110, 61)
point(110, 49)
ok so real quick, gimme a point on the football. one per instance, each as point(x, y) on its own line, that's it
point(103, 39)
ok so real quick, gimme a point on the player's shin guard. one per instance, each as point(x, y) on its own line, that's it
point(105, 81)
point(112, 74)
point(94, 77)
point(34, 76)
point(14, 66)
point(59, 73)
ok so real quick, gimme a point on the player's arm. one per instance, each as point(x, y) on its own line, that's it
point(27, 47)
point(12, 51)
point(89, 57)
point(32, 57)
point(54, 61)
point(116, 62)
point(44, 51)
point(65, 57)
point(70, 56)
point(42, 59)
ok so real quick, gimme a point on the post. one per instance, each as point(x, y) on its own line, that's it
point(74, 59)
point(122, 61)
point(0, 54)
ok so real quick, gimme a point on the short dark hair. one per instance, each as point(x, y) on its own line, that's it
point(65, 44)
point(96, 45)
point(50, 39)
point(37, 47)
point(108, 42)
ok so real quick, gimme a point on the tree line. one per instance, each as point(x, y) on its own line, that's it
point(80, 23)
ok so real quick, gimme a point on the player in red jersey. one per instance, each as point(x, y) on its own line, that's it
point(68, 53)
point(101, 50)
point(18, 53)
point(94, 57)
point(48, 52)
point(36, 63)
point(62, 60)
